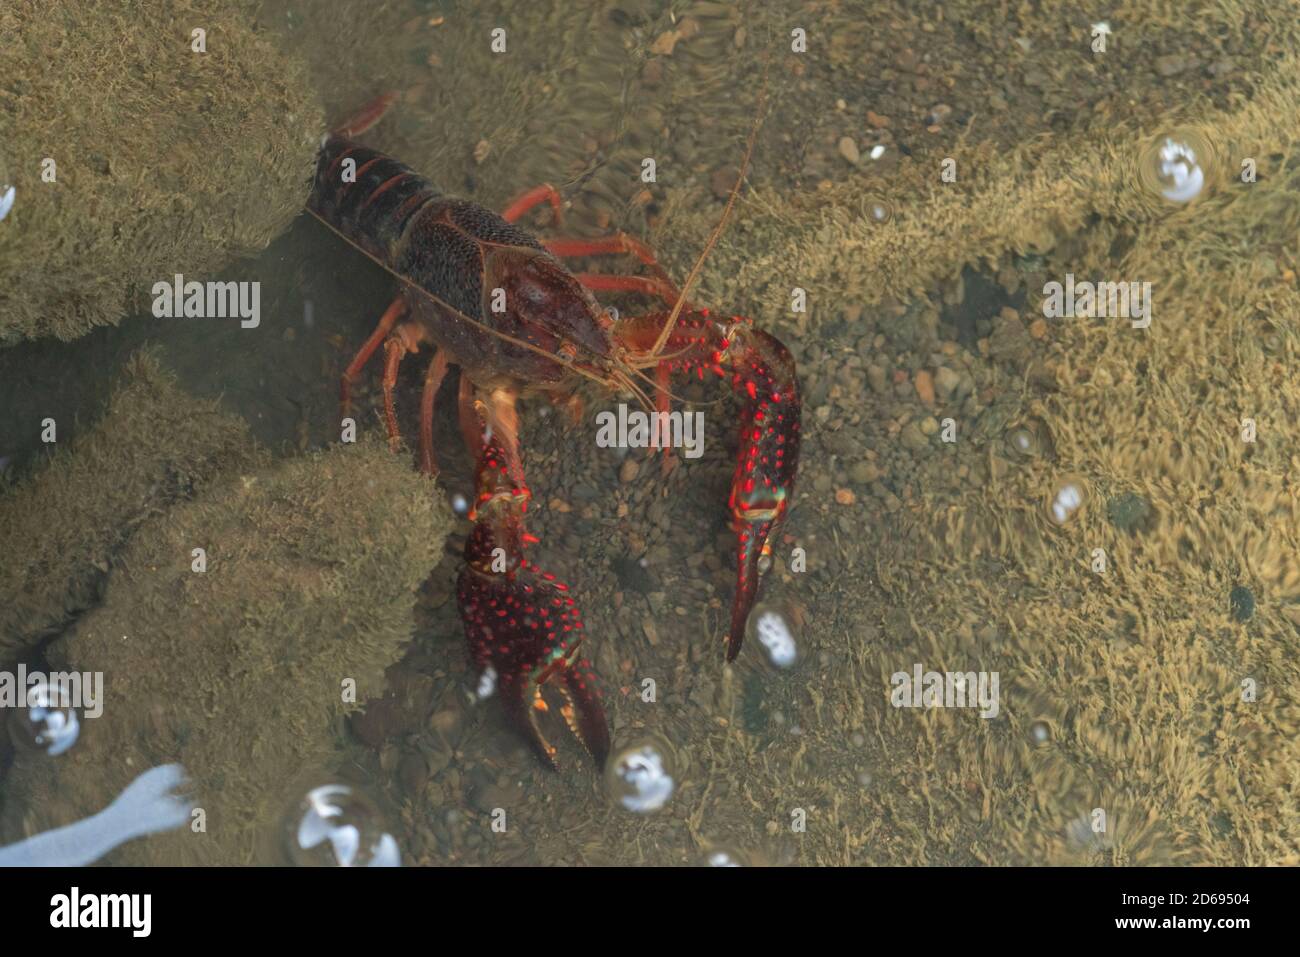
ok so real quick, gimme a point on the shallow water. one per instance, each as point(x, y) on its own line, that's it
point(811, 763)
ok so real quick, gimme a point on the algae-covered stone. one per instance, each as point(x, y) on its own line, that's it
point(61, 527)
point(1243, 603)
point(134, 156)
point(243, 671)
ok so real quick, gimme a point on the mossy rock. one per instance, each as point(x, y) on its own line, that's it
point(239, 672)
point(62, 526)
point(166, 160)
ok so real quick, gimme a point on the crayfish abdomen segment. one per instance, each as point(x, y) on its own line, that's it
point(368, 197)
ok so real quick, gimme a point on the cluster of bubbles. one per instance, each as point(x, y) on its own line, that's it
point(770, 627)
point(338, 826)
point(641, 776)
point(48, 723)
point(1065, 499)
point(1174, 165)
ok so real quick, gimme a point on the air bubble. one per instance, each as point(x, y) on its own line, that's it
point(487, 683)
point(460, 504)
point(338, 826)
point(880, 210)
point(1022, 441)
point(640, 776)
point(7, 191)
point(725, 855)
point(1176, 165)
point(1040, 733)
point(48, 723)
point(1066, 499)
point(775, 628)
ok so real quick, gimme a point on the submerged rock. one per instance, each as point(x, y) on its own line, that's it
point(242, 671)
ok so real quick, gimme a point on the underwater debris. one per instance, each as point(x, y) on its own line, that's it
point(146, 806)
point(1129, 512)
point(1242, 602)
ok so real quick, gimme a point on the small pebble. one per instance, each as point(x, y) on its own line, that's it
point(627, 472)
point(912, 437)
point(1243, 603)
point(925, 388)
point(849, 150)
point(945, 382)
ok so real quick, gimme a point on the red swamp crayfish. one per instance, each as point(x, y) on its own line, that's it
point(497, 303)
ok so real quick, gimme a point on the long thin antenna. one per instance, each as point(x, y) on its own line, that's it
point(722, 222)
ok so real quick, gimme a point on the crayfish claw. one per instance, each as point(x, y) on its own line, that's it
point(763, 485)
point(523, 624)
point(517, 700)
point(522, 621)
point(583, 710)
